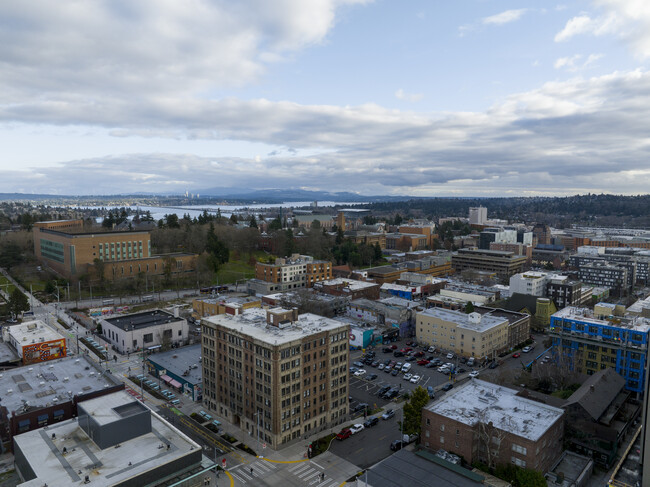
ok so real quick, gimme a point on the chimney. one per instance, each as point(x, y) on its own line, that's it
point(294, 314)
point(175, 311)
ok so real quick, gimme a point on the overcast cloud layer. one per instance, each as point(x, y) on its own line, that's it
point(152, 70)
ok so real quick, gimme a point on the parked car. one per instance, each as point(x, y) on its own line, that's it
point(353, 370)
point(360, 407)
point(415, 379)
point(473, 373)
point(355, 428)
point(383, 390)
point(432, 349)
point(494, 365)
point(388, 368)
point(370, 422)
point(344, 433)
point(388, 414)
point(393, 346)
point(375, 363)
point(391, 394)
point(371, 377)
point(526, 349)
point(431, 392)
point(448, 386)
point(423, 362)
point(419, 354)
point(430, 365)
point(408, 376)
point(450, 355)
point(386, 349)
point(359, 373)
point(381, 367)
point(471, 361)
point(397, 353)
point(395, 371)
point(516, 355)
point(396, 445)
point(357, 364)
point(411, 359)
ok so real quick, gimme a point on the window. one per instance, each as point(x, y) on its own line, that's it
point(442, 427)
point(519, 449)
point(147, 338)
point(518, 462)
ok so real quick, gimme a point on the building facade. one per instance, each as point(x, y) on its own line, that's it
point(34, 342)
point(591, 340)
point(65, 248)
point(276, 374)
point(145, 330)
point(504, 264)
point(488, 423)
point(293, 272)
point(468, 335)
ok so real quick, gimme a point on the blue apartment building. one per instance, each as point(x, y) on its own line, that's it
point(591, 340)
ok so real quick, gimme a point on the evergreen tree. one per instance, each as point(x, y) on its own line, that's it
point(252, 222)
point(218, 252)
point(18, 302)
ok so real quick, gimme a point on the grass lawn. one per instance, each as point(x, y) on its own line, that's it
point(234, 270)
point(6, 286)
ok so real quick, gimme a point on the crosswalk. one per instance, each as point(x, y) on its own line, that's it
point(307, 472)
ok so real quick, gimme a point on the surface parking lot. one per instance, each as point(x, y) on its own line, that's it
point(363, 390)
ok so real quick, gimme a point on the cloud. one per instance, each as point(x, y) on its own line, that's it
point(412, 97)
point(504, 17)
point(570, 63)
point(57, 51)
point(564, 137)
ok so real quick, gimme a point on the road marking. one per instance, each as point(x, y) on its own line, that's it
point(303, 467)
point(383, 437)
point(306, 472)
point(314, 463)
point(359, 450)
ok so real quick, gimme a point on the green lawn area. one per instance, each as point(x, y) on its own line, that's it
point(6, 286)
point(234, 270)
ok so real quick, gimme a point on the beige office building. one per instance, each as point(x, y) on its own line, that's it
point(467, 335)
point(275, 374)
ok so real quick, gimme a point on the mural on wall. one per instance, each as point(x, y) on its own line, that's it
point(44, 351)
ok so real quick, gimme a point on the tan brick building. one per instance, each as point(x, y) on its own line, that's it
point(65, 248)
point(276, 374)
point(488, 423)
point(468, 335)
point(223, 305)
point(294, 272)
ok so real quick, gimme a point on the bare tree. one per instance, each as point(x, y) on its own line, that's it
point(490, 438)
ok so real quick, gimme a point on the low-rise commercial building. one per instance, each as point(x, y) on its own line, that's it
point(223, 305)
point(504, 264)
point(145, 330)
point(293, 272)
point(276, 374)
point(115, 441)
point(42, 394)
point(34, 342)
point(179, 369)
point(468, 335)
point(350, 288)
point(488, 423)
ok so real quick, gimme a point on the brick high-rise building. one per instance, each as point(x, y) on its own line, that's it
point(276, 374)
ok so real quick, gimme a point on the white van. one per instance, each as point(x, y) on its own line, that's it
point(406, 367)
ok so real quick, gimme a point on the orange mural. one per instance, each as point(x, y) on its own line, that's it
point(44, 351)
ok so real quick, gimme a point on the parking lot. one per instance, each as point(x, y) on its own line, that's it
point(363, 390)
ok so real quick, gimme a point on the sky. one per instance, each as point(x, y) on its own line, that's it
point(384, 97)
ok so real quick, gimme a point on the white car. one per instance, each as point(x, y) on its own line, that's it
point(415, 379)
point(526, 349)
point(444, 369)
point(381, 367)
point(356, 428)
point(450, 355)
point(408, 376)
point(432, 349)
point(359, 373)
point(473, 373)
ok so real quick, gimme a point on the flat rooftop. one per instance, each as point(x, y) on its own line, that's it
point(33, 332)
point(586, 315)
point(181, 360)
point(463, 320)
point(231, 300)
point(478, 400)
point(145, 319)
point(107, 467)
point(252, 322)
point(638, 306)
point(353, 284)
point(112, 407)
point(397, 302)
point(44, 384)
point(7, 354)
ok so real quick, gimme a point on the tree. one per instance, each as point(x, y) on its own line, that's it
point(413, 411)
point(276, 224)
point(172, 220)
point(233, 219)
point(100, 269)
point(18, 302)
point(252, 222)
point(218, 252)
point(109, 221)
point(490, 438)
point(10, 255)
point(469, 307)
point(168, 267)
point(315, 224)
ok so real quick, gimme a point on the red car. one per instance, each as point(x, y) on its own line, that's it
point(419, 354)
point(408, 349)
point(516, 355)
point(394, 347)
point(423, 362)
point(345, 433)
